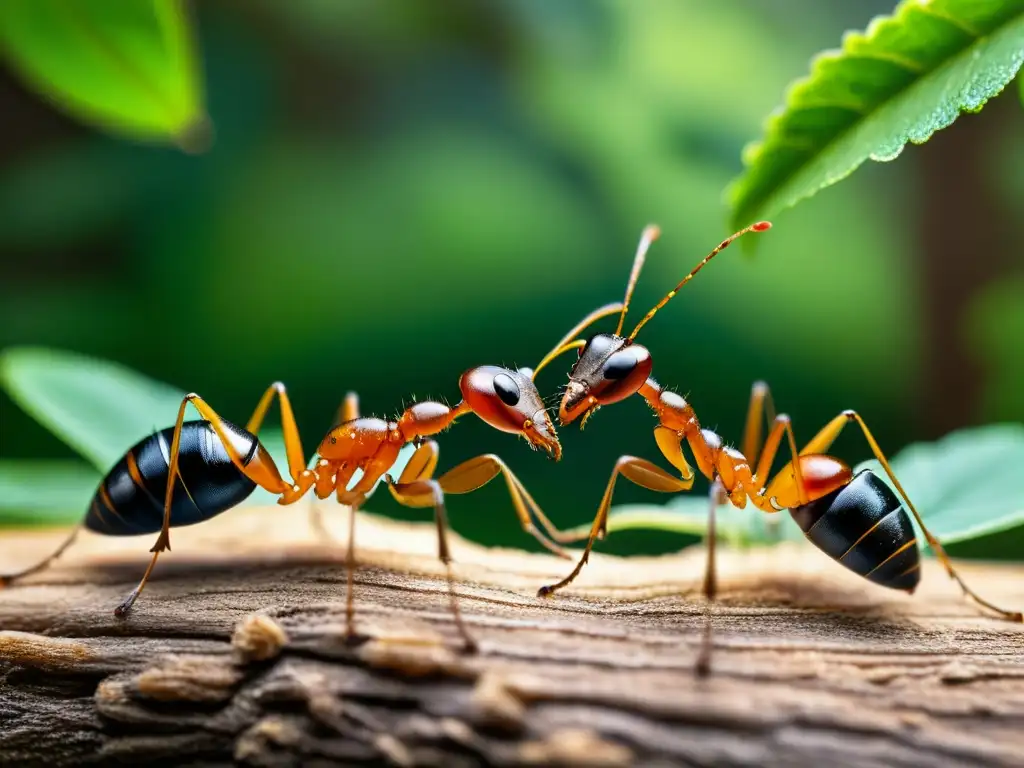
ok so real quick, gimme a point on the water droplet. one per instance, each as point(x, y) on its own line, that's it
point(888, 152)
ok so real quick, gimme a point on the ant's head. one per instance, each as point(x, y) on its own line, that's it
point(610, 368)
point(508, 400)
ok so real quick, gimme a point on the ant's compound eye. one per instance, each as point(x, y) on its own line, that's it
point(619, 365)
point(506, 389)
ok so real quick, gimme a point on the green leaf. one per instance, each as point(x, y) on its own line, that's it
point(126, 66)
point(45, 492)
point(1020, 84)
point(907, 76)
point(687, 517)
point(98, 408)
point(969, 488)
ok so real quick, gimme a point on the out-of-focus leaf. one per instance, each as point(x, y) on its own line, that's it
point(45, 492)
point(687, 516)
point(97, 407)
point(907, 76)
point(127, 66)
point(968, 487)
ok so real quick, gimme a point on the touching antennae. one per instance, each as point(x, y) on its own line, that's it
point(760, 226)
point(650, 234)
point(566, 343)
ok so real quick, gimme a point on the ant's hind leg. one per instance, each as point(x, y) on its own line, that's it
point(824, 439)
point(9, 578)
point(263, 473)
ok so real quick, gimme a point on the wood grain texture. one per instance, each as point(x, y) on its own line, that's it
point(235, 654)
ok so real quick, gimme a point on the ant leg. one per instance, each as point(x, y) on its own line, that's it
point(9, 578)
point(412, 494)
point(421, 465)
point(262, 474)
point(824, 439)
point(473, 474)
point(760, 411)
point(477, 472)
point(781, 427)
point(716, 498)
point(292, 442)
point(638, 471)
point(348, 410)
point(260, 469)
point(353, 501)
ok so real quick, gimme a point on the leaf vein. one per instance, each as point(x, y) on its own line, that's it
point(857, 109)
point(91, 33)
point(888, 57)
point(753, 191)
point(953, 21)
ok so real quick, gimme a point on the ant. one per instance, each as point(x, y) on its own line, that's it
point(855, 519)
point(216, 465)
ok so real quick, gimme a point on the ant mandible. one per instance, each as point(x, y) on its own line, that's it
point(217, 465)
point(855, 519)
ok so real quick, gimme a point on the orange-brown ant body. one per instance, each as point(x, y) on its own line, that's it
point(216, 465)
point(855, 519)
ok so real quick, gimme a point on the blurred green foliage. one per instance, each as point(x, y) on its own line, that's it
point(126, 65)
point(400, 191)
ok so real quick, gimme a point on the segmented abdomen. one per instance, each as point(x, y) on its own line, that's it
point(864, 526)
point(130, 499)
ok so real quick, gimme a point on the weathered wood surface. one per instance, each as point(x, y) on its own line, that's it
point(235, 653)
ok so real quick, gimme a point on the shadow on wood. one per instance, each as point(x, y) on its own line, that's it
point(236, 652)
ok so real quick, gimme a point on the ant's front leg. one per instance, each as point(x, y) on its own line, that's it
point(638, 471)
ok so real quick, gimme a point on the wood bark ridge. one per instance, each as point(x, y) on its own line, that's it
point(235, 655)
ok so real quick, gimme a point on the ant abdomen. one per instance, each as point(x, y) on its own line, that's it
point(864, 526)
point(130, 499)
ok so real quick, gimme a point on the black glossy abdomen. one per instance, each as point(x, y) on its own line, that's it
point(864, 526)
point(208, 482)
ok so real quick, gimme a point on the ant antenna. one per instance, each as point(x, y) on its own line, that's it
point(651, 233)
point(760, 226)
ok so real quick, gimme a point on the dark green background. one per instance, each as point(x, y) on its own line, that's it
point(399, 191)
